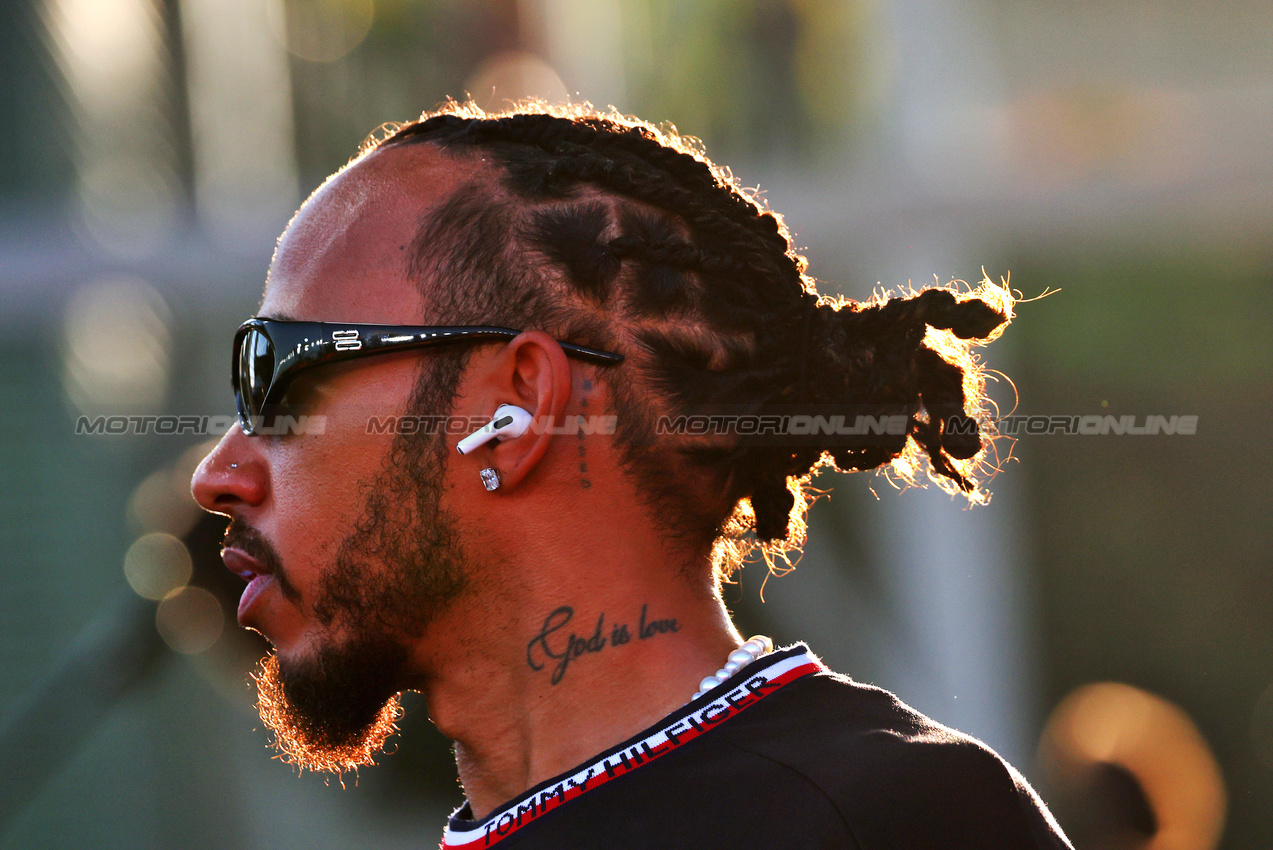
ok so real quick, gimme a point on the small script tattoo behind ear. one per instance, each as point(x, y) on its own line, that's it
point(581, 445)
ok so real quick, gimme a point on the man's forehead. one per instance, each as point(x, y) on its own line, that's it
point(345, 254)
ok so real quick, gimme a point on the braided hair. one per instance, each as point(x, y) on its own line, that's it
point(616, 234)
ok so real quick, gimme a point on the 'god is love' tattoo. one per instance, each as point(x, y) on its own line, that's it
point(555, 644)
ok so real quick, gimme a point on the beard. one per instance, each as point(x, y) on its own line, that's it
point(319, 717)
point(399, 568)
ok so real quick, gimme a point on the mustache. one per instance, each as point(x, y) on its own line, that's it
point(240, 535)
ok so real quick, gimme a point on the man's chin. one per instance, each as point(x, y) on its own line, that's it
point(322, 718)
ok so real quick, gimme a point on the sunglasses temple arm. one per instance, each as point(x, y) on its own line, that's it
point(591, 354)
point(382, 342)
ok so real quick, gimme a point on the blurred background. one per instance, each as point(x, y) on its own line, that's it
point(1106, 623)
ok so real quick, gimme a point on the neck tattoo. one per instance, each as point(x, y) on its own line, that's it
point(738, 659)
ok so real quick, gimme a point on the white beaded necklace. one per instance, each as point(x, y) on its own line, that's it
point(738, 659)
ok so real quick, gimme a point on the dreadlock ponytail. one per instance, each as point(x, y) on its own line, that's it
point(878, 378)
point(608, 231)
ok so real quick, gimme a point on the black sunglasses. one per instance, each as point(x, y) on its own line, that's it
point(269, 353)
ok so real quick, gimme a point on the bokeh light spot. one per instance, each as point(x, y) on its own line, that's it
point(162, 502)
point(321, 30)
point(190, 620)
point(115, 346)
point(513, 76)
point(156, 565)
point(1109, 748)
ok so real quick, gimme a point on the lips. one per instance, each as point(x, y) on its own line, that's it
point(256, 574)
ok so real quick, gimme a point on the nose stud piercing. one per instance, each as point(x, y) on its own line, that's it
point(490, 478)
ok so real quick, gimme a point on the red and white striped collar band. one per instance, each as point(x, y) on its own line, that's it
point(732, 697)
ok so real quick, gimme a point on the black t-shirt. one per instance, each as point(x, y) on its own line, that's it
point(783, 754)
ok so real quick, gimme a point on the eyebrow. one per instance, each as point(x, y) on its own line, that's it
point(279, 317)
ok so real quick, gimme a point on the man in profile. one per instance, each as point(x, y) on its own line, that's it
point(569, 286)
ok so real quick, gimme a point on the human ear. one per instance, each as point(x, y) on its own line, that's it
point(532, 373)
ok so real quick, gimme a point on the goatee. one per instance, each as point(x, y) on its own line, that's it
point(331, 713)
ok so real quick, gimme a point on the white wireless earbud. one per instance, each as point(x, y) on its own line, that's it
point(510, 421)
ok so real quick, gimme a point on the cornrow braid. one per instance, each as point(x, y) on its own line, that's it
point(616, 233)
